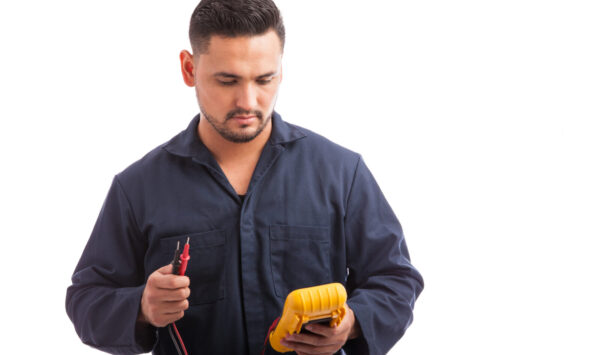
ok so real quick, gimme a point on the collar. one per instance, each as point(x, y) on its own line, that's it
point(188, 143)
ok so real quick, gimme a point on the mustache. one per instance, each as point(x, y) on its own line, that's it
point(239, 112)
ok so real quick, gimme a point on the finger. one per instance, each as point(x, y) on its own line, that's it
point(170, 318)
point(173, 307)
point(311, 349)
point(311, 339)
point(170, 281)
point(166, 270)
point(321, 329)
point(164, 278)
point(178, 294)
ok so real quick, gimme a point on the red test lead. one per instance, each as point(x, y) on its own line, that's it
point(184, 257)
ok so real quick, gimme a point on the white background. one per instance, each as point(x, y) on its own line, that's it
point(478, 118)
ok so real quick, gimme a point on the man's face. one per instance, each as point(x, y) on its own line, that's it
point(236, 83)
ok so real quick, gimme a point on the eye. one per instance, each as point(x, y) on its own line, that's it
point(227, 83)
point(264, 81)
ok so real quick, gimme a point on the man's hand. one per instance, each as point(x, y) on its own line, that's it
point(164, 298)
point(325, 340)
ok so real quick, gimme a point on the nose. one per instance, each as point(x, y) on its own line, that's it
point(246, 97)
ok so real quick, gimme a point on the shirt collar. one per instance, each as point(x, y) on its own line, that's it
point(188, 143)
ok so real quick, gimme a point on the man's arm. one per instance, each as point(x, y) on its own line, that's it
point(382, 284)
point(104, 300)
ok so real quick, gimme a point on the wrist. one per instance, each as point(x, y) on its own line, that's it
point(355, 330)
point(141, 318)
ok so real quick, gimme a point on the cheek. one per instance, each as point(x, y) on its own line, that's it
point(267, 96)
point(212, 98)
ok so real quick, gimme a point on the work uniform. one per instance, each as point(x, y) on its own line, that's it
point(312, 214)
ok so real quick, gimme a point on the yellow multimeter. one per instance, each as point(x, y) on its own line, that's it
point(323, 303)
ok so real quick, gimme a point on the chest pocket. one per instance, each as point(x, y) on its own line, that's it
point(299, 257)
point(206, 268)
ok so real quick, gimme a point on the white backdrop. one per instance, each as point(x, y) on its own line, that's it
point(478, 118)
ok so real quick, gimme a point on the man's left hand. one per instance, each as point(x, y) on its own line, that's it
point(325, 340)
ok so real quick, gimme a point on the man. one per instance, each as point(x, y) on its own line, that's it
point(268, 207)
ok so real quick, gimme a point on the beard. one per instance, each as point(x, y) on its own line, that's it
point(240, 136)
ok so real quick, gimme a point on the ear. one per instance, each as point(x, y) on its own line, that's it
point(187, 67)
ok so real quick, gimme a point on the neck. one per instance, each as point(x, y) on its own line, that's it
point(226, 152)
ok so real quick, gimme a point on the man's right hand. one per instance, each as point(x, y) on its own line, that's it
point(164, 298)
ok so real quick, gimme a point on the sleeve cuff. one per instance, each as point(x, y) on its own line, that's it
point(359, 345)
point(145, 335)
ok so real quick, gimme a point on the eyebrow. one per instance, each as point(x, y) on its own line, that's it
point(234, 76)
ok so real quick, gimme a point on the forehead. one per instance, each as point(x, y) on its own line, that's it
point(243, 55)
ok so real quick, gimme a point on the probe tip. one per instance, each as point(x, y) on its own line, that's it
point(188, 241)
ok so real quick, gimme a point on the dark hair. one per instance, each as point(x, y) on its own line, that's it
point(232, 18)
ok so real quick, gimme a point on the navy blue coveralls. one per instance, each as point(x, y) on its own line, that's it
point(313, 214)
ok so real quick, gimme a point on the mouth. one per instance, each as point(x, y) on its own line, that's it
point(244, 119)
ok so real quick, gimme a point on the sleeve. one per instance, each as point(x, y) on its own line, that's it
point(382, 284)
point(104, 300)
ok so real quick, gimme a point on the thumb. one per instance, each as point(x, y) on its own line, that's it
point(166, 270)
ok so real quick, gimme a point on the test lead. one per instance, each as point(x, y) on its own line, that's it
point(176, 262)
point(184, 257)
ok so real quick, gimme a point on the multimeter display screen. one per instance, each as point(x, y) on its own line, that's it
point(324, 321)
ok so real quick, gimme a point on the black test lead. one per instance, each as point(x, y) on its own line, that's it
point(176, 262)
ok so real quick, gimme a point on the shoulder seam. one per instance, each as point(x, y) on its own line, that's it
point(135, 219)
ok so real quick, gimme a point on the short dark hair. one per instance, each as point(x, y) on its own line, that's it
point(232, 18)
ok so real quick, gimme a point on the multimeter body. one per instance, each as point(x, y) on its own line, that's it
point(317, 304)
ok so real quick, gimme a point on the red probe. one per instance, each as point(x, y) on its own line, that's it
point(184, 257)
